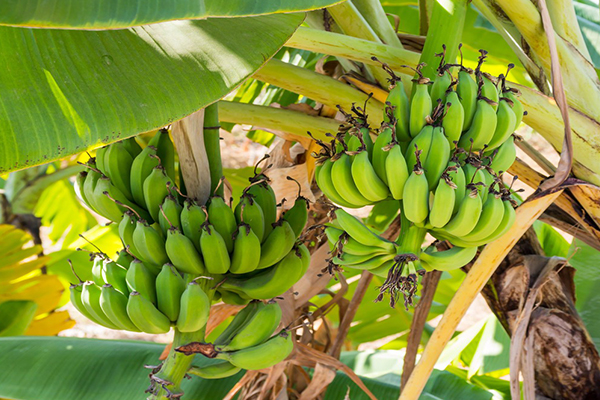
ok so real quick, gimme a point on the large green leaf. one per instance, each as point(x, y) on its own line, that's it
point(62, 92)
point(118, 14)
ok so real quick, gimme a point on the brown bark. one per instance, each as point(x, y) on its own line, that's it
point(566, 362)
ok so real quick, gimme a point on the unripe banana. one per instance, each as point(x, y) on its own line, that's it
point(246, 251)
point(454, 119)
point(139, 279)
point(223, 220)
point(76, 291)
point(366, 180)
point(146, 316)
point(382, 215)
point(114, 306)
point(150, 244)
point(399, 100)
point(106, 207)
point(192, 217)
point(279, 243)
point(457, 176)
point(256, 329)
point(142, 166)
point(341, 176)
point(367, 263)
point(90, 298)
point(379, 154)
point(117, 162)
point(517, 107)
point(353, 143)
point(508, 220)
point(505, 127)
point(244, 315)
point(114, 274)
point(219, 370)
point(482, 128)
point(505, 157)
point(169, 288)
point(252, 214)
point(467, 92)
point(325, 182)
point(447, 260)
point(132, 147)
point(195, 307)
point(397, 171)
point(384, 269)
point(439, 88)
point(170, 215)
point(475, 176)
point(424, 142)
point(183, 254)
point(358, 231)
point(297, 216)
point(166, 152)
point(443, 203)
point(233, 298)
point(97, 265)
point(416, 196)
point(468, 214)
point(89, 185)
point(126, 229)
point(437, 157)
point(156, 188)
point(265, 197)
point(214, 250)
point(79, 182)
point(124, 259)
point(264, 355)
point(491, 218)
point(420, 107)
point(100, 153)
point(489, 90)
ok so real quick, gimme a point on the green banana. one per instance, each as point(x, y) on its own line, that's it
point(97, 265)
point(105, 206)
point(351, 246)
point(454, 119)
point(517, 106)
point(476, 176)
point(250, 212)
point(156, 188)
point(447, 260)
point(468, 214)
point(279, 243)
point(141, 168)
point(420, 107)
point(214, 250)
point(397, 171)
point(358, 231)
point(90, 298)
point(505, 127)
point(491, 217)
point(436, 160)
point(467, 92)
point(366, 180)
point(114, 306)
point(139, 279)
point(262, 356)
point(457, 176)
point(440, 87)
point(132, 146)
point(482, 127)
point(166, 152)
point(117, 162)
point(508, 220)
point(423, 142)
point(416, 194)
point(368, 264)
point(169, 288)
point(399, 100)
point(146, 316)
point(114, 274)
point(379, 154)
point(183, 254)
point(223, 220)
point(489, 90)
point(79, 182)
point(192, 217)
point(75, 291)
point(384, 269)
point(149, 243)
point(382, 215)
point(237, 322)
point(256, 329)
point(170, 215)
point(265, 197)
point(124, 258)
point(100, 153)
point(233, 298)
point(218, 370)
point(91, 180)
point(505, 156)
point(297, 216)
point(195, 307)
point(443, 203)
point(341, 176)
point(246, 251)
point(325, 183)
point(126, 229)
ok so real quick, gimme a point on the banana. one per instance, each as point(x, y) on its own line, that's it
point(416, 194)
point(252, 214)
point(436, 160)
point(233, 298)
point(142, 166)
point(382, 215)
point(379, 154)
point(166, 152)
point(366, 139)
point(358, 231)
point(265, 197)
point(491, 217)
point(114, 274)
point(384, 269)
point(124, 259)
point(341, 176)
point(325, 183)
point(169, 288)
point(440, 87)
point(482, 127)
point(237, 322)
point(195, 307)
point(223, 220)
point(146, 316)
point(397, 171)
point(170, 215)
point(423, 142)
point(467, 92)
point(297, 216)
point(117, 162)
point(443, 203)
point(475, 176)
point(468, 214)
point(192, 217)
point(126, 228)
point(505, 157)
point(76, 291)
point(156, 188)
point(517, 106)
point(351, 246)
point(256, 329)
point(508, 220)
point(114, 306)
point(106, 207)
point(97, 265)
point(139, 279)
point(183, 254)
point(132, 146)
point(454, 119)
point(489, 90)
point(90, 298)
point(214, 250)
point(399, 100)
point(91, 180)
point(420, 107)
point(457, 176)
point(262, 356)
point(149, 243)
point(79, 182)
point(270, 282)
point(100, 153)
point(246, 251)
point(279, 243)
point(368, 264)
point(447, 260)
point(505, 127)
point(366, 180)
point(218, 370)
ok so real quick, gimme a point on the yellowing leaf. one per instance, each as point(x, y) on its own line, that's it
point(50, 324)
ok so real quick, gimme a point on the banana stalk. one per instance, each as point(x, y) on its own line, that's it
point(212, 143)
point(375, 15)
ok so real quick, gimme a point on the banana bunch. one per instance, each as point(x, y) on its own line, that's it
point(249, 342)
point(126, 295)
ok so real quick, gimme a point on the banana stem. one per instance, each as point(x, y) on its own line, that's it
point(212, 143)
point(374, 13)
point(177, 364)
point(410, 238)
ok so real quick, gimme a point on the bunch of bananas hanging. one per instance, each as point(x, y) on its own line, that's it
point(441, 154)
point(249, 341)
